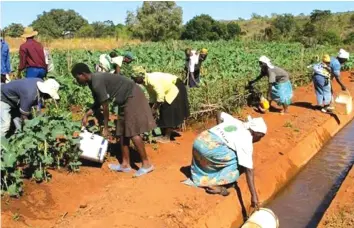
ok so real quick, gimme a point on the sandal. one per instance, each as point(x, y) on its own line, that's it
point(221, 191)
point(143, 171)
point(119, 168)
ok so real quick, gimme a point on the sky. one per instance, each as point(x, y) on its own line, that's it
point(26, 12)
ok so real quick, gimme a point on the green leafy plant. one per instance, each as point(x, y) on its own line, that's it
point(45, 142)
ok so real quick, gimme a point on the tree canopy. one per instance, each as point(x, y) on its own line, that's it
point(156, 21)
point(57, 21)
point(14, 30)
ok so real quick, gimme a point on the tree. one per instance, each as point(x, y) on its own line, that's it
point(233, 30)
point(202, 27)
point(319, 15)
point(284, 24)
point(57, 21)
point(156, 21)
point(14, 30)
point(85, 31)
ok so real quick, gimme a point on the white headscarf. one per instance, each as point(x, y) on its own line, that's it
point(266, 60)
point(343, 54)
point(256, 124)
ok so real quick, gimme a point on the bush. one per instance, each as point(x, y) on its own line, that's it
point(328, 37)
point(349, 39)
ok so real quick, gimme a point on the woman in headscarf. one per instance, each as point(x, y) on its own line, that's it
point(222, 152)
point(169, 97)
point(322, 83)
point(280, 88)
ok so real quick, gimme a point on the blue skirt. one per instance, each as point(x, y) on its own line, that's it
point(282, 93)
point(213, 162)
point(322, 89)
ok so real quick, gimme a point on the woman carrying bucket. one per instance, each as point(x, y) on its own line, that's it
point(280, 88)
point(220, 153)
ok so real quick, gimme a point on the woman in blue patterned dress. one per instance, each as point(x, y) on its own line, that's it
point(220, 152)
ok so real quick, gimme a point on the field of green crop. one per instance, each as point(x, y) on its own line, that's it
point(48, 140)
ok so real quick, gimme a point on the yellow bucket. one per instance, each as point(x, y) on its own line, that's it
point(264, 103)
point(344, 103)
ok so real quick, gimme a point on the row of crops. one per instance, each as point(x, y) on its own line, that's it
point(48, 141)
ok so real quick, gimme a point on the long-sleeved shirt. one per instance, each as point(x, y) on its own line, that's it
point(5, 58)
point(32, 55)
point(161, 87)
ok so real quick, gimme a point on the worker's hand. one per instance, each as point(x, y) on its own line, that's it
point(154, 112)
point(255, 203)
point(344, 88)
point(84, 121)
point(105, 132)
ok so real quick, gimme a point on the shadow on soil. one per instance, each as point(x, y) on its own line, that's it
point(306, 105)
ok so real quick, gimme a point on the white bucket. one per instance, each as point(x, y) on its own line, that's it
point(263, 218)
point(344, 103)
point(93, 147)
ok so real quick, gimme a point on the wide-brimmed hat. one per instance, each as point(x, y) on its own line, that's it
point(343, 54)
point(29, 32)
point(50, 87)
point(266, 60)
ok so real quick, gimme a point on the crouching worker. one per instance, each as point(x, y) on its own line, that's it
point(170, 99)
point(18, 97)
point(130, 98)
point(220, 152)
point(280, 88)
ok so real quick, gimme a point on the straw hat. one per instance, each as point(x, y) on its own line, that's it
point(29, 32)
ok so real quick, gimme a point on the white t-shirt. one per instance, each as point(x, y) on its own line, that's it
point(193, 60)
point(237, 137)
point(106, 62)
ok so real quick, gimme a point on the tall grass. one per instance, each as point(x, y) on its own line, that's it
point(101, 44)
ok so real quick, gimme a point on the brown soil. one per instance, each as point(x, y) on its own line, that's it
point(340, 212)
point(97, 197)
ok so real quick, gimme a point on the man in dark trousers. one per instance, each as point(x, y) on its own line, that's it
point(128, 96)
point(32, 58)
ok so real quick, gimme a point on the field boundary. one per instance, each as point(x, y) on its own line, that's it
point(287, 167)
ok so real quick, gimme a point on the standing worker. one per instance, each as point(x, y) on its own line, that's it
point(195, 64)
point(280, 88)
point(32, 57)
point(322, 83)
point(169, 96)
point(127, 95)
point(5, 60)
point(335, 65)
point(112, 63)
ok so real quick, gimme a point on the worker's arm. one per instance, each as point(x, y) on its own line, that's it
point(335, 71)
point(22, 65)
point(260, 76)
point(105, 118)
point(117, 71)
point(252, 188)
point(340, 83)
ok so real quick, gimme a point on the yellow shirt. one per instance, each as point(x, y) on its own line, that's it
point(161, 87)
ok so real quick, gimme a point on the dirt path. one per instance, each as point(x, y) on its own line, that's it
point(340, 212)
point(97, 197)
